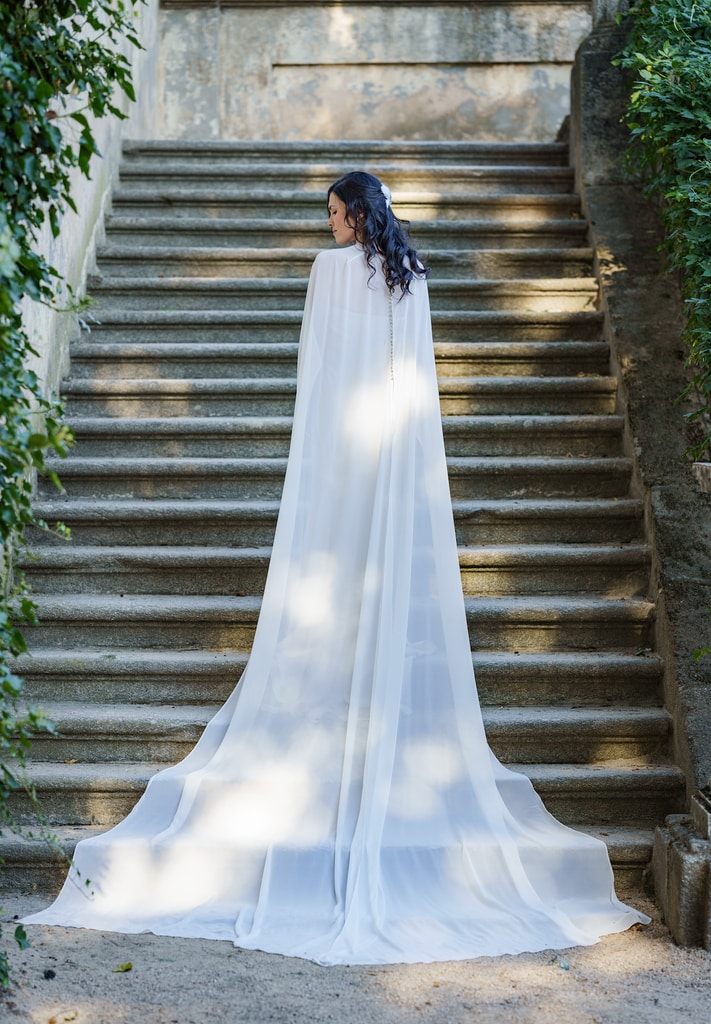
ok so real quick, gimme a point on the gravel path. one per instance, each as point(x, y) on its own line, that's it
point(69, 975)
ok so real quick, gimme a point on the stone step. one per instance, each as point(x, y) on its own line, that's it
point(279, 326)
point(218, 521)
point(98, 732)
point(249, 436)
point(573, 294)
point(349, 152)
point(578, 678)
point(592, 398)
point(268, 402)
point(583, 736)
point(635, 796)
point(103, 360)
point(231, 232)
point(292, 174)
point(31, 866)
point(139, 676)
point(143, 261)
point(598, 795)
point(227, 202)
point(614, 570)
point(95, 732)
point(262, 478)
point(179, 622)
point(106, 360)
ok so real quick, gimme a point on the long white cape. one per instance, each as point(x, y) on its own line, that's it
point(343, 805)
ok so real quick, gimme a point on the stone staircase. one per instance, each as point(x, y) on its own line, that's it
point(181, 396)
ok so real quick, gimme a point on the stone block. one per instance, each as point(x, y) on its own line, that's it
point(599, 139)
point(681, 869)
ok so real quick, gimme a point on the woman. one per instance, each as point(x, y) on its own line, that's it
point(344, 805)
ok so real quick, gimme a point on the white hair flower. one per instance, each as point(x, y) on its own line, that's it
point(388, 195)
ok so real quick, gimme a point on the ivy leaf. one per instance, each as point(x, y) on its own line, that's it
point(21, 937)
point(44, 90)
point(37, 441)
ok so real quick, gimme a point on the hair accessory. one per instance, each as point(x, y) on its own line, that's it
point(388, 196)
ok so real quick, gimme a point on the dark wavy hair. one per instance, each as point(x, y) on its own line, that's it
point(382, 235)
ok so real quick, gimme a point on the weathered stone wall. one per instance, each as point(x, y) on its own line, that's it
point(645, 319)
point(367, 69)
point(645, 316)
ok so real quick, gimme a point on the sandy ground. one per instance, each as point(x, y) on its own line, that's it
point(69, 975)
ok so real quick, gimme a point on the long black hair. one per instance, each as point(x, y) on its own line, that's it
point(382, 235)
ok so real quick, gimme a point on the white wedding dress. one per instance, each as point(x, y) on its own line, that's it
point(343, 805)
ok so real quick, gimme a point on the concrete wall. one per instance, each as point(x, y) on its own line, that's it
point(366, 69)
point(72, 253)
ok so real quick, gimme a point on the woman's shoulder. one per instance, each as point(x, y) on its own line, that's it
point(337, 257)
point(336, 262)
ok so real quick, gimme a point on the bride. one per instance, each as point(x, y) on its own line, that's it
point(343, 805)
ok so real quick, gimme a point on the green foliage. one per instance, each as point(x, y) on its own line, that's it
point(669, 116)
point(59, 62)
point(702, 652)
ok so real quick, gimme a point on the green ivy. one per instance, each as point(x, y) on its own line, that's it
point(669, 116)
point(60, 65)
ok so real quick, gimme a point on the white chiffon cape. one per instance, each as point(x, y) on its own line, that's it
point(343, 805)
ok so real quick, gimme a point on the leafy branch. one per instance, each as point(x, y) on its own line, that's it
point(60, 60)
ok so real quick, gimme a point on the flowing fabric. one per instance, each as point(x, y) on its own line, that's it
point(343, 805)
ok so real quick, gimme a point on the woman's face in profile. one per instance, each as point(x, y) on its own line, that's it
point(342, 232)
